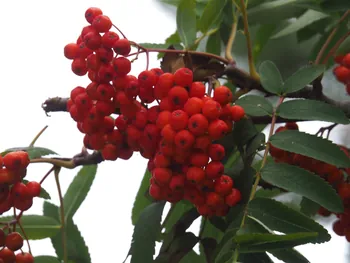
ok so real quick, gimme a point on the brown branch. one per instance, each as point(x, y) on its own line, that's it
point(55, 104)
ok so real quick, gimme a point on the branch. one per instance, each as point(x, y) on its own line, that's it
point(55, 104)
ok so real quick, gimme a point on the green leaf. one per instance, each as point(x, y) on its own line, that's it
point(302, 77)
point(78, 190)
point(312, 110)
point(309, 17)
point(255, 144)
point(33, 152)
point(311, 146)
point(303, 182)
point(251, 243)
point(335, 5)
point(77, 249)
point(186, 22)
point(268, 193)
point(191, 257)
point(214, 44)
point(344, 48)
point(211, 15)
point(46, 259)
point(146, 232)
point(308, 207)
point(289, 256)
point(270, 77)
point(36, 226)
point(262, 36)
point(141, 201)
point(255, 257)
point(181, 246)
point(244, 131)
point(154, 45)
point(279, 217)
point(255, 105)
point(178, 211)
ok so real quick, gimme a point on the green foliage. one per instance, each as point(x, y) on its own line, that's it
point(255, 105)
point(262, 36)
point(270, 77)
point(176, 213)
point(344, 48)
point(311, 110)
point(308, 207)
point(146, 232)
point(311, 146)
point(214, 43)
point(46, 259)
point(290, 256)
point(36, 226)
point(141, 200)
point(302, 77)
point(78, 190)
point(279, 217)
point(186, 22)
point(212, 15)
point(77, 249)
point(303, 182)
point(33, 152)
point(309, 17)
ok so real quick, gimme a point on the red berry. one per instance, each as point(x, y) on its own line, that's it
point(92, 40)
point(178, 96)
point(122, 66)
point(197, 89)
point(109, 38)
point(237, 112)
point(162, 175)
point(184, 140)
point(102, 23)
point(34, 188)
point(193, 106)
point(24, 258)
point(14, 241)
point(91, 13)
point(122, 47)
point(214, 170)
point(339, 228)
point(342, 74)
point(178, 120)
point(195, 175)
point(198, 124)
point(223, 185)
point(217, 129)
point(71, 51)
point(346, 60)
point(164, 84)
point(214, 200)
point(183, 77)
point(211, 109)
point(7, 255)
point(223, 95)
point(79, 66)
point(233, 198)
point(216, 152)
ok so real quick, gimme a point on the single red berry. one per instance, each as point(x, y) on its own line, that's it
point(211, 109)
point(178, 120)
point(184, 140)
point(79, 66)
point(346, 60)
point(214, 200)
point(214, 170)
point(92, 40)
point(34, 188)
point(147, 78)
point(223, 95)
point(216, 152)
point(20, 191)
point(16, 160)
point(177, 182)
point(195, 175)
point(14, 241)
point(193, 106)
point(164, 84)
point(71, 51)
point(237, 112)
point(156, 192)
point(178, 96)
point(91, 13)
point(342, 74)
point(197, 89)
point(7, 255)
point(163, 119)
point(292, 126)
point(109, 38)
point(162, 175)
point(199, 159)
point(102, 23)
point(183, 77)
point(122, 47)
point(339, 59)
point(202, 143)
point(168, 133)
point(339, 228)
point(223, 185)
point(198, 124)
point(233, 198)
point(122, 66)
point(217, 129)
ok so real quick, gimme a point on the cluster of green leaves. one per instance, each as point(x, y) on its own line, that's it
point(49, 225)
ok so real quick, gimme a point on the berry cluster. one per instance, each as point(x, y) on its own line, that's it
point(11, 243)
point(333, 175)
point(13, 192)
point(167, 117)
point(342, 71)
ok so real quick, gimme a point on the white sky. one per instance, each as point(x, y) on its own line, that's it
point(33, 68)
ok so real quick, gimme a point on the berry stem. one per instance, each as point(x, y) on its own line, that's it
point(258, 174)
point(25, 236)
point(47, 174)
point(37, 136)
point(190, 52)
point(228, 50)
point(119, 31)
point(56, 162)
point(330, 37)
point(252, 69)
point(63, 224)
point(335, 47)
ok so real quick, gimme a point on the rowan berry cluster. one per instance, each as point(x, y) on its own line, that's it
point(13, 192)
point(342, 71)
point(167, 117)
point(11, 243)
point(333, 175)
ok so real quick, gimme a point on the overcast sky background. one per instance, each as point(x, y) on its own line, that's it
point(33, 69)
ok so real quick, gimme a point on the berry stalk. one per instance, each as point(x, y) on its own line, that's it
point(228, 50)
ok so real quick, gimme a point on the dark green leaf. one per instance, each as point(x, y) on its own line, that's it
point(33, 152)
point(251, 243)
point(311, 146)
point(78, 190)
point(177, 212)
point(312, 110)
point(46, 259)
point(212, 231)
point(262, 36)
point(207, 248)
point(270, 77)
point(244, 131)
point(141, 201)
point(335, 5)
point(289, 256)
point(255, 257)
point(303, 182)
point(146, 232)
point(211, 15)
point(309, 17)
point(268, 193)
point(77, 249)
point(308, 207)
point(255, 105)
point(255, 144)
point(186, 22)
point(36, 226)
point(191, 257)
point(214, 43)
point(344, 48)
point(181, 246)
point(302, 77)
point(279, 217)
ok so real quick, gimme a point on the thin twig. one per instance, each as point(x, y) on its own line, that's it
point(231, 39)
point(335, 47)
point(24, 235)
point(37, 136)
